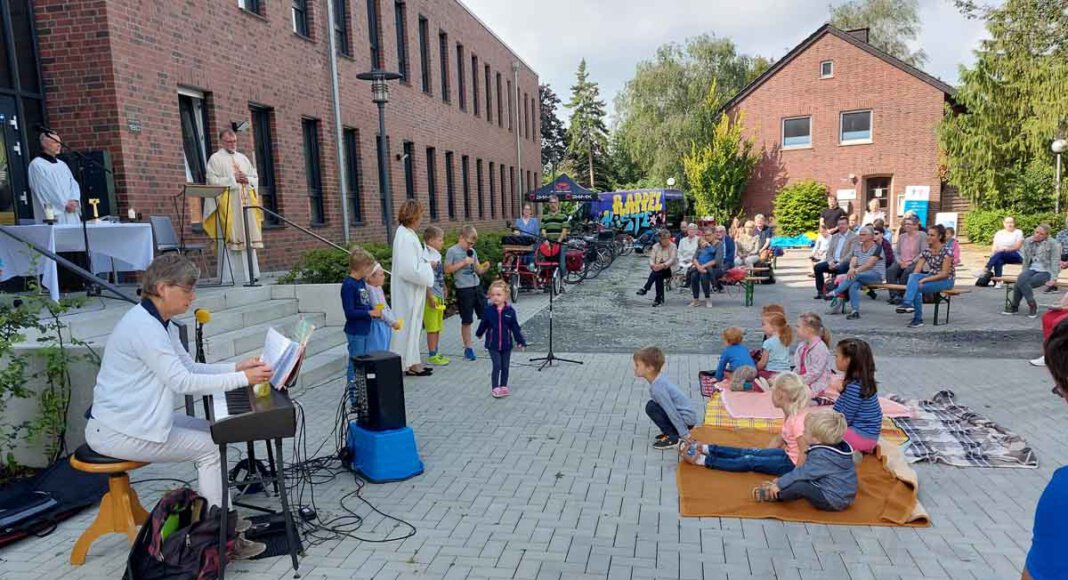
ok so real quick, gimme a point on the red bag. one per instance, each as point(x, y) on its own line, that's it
point(734, 275)
point(573, 260)
point(548, 250)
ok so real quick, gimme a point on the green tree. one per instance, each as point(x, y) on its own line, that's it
point(587, 136)
point(1009, 107)
point(553, 134)
point(718, 170)
point(893, 25)
point(656, 112)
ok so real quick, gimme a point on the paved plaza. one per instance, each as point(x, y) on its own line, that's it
point(559, 480)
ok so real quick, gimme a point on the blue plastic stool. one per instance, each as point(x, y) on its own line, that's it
point(384, 456)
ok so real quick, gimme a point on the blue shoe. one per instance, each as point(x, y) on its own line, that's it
point(469, 353)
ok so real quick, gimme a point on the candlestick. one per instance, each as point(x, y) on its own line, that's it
point(130, 213)
point(49, 213)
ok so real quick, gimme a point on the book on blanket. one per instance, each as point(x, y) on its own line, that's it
point(284, 355)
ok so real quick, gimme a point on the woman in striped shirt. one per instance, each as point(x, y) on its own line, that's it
point(859, 401)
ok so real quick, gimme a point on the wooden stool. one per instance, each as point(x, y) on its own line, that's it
point(120, 509)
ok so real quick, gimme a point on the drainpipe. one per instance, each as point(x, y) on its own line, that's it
point(338, 145)
point(518, 202)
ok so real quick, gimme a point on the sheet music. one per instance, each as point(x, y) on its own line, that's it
point(274, 347)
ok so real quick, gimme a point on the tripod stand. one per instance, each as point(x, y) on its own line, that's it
point(550, 357)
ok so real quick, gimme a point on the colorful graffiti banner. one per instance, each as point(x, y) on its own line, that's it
point(630, 212)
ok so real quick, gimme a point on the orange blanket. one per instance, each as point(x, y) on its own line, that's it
point(886, 494)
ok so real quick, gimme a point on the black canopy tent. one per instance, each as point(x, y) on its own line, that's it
point(564, 188)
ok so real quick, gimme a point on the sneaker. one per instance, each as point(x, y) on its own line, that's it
point(695, 303)
point(469, 353)
point(853, 315)
point(1010, 311)
point(664, 444)
point(1050, 289)
point(505, 391)
point(660, 437)
point(916, 324)
point(657, 303)
point(642, 292)
point(243, 525)
point(246, 549)
point(707, 304)
point(438, 360)
point(904, 310)
point(818, 297)
point(998, 286)
point(1038, 362)
point(1032, 310)
point(496, 392)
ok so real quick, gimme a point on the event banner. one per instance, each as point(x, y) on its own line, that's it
point(630, 212)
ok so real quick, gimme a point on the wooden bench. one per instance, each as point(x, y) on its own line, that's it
point(1009, 284)
point(945, 296)
point(749, 285)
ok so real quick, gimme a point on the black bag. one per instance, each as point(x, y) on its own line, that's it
point(984, 280)
point(190, 550)
point(71, 490)
point(769, 274)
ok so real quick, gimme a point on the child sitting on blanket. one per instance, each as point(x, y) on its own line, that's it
point(859, 401)
point(782, 454)
point(826, 473)
point(774, 355)
point(668, 407)
point(764, 311)
point(812, 359)
point(736, 360)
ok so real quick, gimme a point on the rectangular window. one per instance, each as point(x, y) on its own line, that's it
point(341, 27)
point(474, 85)
point(400, 16)
point(465, 177)
point(500, 106)
point(252, 6)
point(450, 185)
point(301, 24)
point(856, 127)
point(492, 192)
point(313, 170)
point(432, 181)
point(797, 132)
point(374, 34)
point(351, 142)
point(504, 192)
point(461, 81)
point(424, 52)
point(478, 189)
point(193, 115)
point(443, 42)
point(263, 144)
point(511, 107)
point(409, 169)
point(826, 69)
point(526, 117)
point(511, 183)
point(489, 96)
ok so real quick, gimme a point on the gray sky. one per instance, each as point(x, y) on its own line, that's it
point(552, 36)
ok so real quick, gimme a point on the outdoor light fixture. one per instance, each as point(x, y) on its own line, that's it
point(239, 126)
point(380, 96)
point(671, 182)
point(1058, 146)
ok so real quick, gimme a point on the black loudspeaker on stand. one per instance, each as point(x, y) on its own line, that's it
point(550, 357)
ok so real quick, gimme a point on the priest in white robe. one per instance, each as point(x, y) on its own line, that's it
point(412, 276)
point(231, 168)
point(55, 192)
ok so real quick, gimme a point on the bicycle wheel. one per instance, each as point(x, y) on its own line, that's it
point(604, 256)
point(574, 277)
point(513, 286)
point(628, 245)
point(557, 282)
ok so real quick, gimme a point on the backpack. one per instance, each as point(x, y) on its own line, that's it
point(180, 540)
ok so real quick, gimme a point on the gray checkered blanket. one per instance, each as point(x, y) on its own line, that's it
point(940, 430)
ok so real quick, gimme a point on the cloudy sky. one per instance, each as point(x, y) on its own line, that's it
point(552, 36)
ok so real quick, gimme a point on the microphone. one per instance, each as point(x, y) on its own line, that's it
point(203, 315)
point(42, 128)
point(470, 252)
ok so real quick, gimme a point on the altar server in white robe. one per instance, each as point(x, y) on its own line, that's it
point(53, 185)
point(231, 168)
point(412, 275)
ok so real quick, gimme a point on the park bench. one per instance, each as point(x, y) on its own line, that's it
point(1009, 284)
point(945, 296)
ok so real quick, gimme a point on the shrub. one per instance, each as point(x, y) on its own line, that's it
point(981, 225)
point(798, 207)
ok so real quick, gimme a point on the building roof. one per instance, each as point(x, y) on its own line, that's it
point(849, 38)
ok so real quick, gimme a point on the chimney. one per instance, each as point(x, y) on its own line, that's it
point(860, 34)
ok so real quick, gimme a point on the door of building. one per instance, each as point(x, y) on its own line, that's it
point(14, 191)
point(877, 188)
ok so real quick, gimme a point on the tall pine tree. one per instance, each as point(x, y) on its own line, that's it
point(553, 134)
point(587, 136)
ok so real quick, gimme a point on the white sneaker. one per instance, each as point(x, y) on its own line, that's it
point(979, 273)
point(997, 285)
point(1038, 362)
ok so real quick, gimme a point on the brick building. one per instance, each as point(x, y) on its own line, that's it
point(153, 83)
point(842, 112)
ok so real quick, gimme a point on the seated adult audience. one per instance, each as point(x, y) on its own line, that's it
point(745, 246)
point(838, 253)
point(888, 234)
point(867, 265)
point(144, 372)
point(729, 248)
point(662, 259)
point(875, 212)
point(910, 244)
point(1041, 264)
point(934, 272)
point(888, 248)
point(687, 249)
point(763, 233)
point(736, 228)
point(1047, 559)
point(822, 243)
point(854, 223)
point(706, 268)
point(1004, 250)
point(528, 224)
point(830, 216)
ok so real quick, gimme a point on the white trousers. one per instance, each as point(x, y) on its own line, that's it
point(189, 440)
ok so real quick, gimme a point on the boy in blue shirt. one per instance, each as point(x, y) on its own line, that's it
point(359, 310)
point(737, 360)
point(707, 267)
point(669, 407)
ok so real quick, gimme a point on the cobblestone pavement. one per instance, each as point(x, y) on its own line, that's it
point(559, 480)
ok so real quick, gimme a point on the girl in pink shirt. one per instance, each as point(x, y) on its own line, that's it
point(812, 359)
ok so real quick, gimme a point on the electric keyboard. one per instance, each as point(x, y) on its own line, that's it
point(242, 416)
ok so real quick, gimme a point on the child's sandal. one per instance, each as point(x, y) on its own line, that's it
point(762, 493)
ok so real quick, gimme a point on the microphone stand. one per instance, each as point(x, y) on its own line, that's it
point(550, 357)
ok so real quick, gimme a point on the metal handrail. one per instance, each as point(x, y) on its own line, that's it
point(248, 237)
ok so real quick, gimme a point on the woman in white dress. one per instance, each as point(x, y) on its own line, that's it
point(412, 276)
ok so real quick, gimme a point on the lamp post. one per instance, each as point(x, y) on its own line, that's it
point(380, 96)
point(1058, 147)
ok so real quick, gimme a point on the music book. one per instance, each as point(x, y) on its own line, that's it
point(283, 354)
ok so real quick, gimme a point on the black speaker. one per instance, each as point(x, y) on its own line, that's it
point(379, 391)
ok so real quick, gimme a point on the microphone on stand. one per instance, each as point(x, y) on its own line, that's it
point(202, 316)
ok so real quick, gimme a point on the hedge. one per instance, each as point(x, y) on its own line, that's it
point(981, 225)
point(798, 207)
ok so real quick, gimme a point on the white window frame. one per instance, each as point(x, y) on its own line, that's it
point(841, 127)
point(782, 133)
point(829, 75)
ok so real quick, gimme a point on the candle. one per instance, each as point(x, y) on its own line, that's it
point(130, 213)
point(49, 213)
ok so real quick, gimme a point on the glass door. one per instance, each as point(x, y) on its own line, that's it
point(14, 193)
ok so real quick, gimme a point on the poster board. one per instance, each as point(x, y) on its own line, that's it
point(947, 219)
point(917, 199)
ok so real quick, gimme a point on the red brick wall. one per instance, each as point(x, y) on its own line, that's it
point(109, 62)
point(905, 115)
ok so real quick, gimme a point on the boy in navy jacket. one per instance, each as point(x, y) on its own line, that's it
point(359, 311)
point(500, 324)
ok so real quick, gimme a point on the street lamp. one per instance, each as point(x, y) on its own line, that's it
point(1058, 146)
point(671, 182)
point(380, 96)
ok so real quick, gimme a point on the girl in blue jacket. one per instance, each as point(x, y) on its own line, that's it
point(500, 324)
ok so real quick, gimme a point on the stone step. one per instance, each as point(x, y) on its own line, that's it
point(244, 316)
point(248, 339)
point(326, 366)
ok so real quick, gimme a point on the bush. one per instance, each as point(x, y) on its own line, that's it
point(981, 225)
point(798, 207)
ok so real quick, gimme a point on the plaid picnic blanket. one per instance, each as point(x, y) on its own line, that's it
point(716, 415)
point(940, 430)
